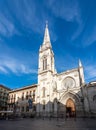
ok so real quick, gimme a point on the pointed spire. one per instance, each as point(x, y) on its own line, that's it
point(40, 48)
point(46, 24)
point(46, 35)
point(80, 64)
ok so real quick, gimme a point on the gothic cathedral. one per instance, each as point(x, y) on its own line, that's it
point(57, 93)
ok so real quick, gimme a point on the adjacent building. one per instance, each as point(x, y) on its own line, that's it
point(18, 100)
point(4, 91)
point(89, 94)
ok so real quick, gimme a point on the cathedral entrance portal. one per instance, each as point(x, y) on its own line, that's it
point(70, 108)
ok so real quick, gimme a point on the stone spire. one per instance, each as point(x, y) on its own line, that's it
point(46, 36)
point(80, 64)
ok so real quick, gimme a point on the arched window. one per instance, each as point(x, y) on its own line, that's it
point(43, 92)
point(44, 63)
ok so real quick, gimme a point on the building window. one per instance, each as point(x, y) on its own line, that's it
point(43, 92)
point(33, 95)
point(22, 96)
point(26, 95)
point(30, 93)
point(14, 97)
point(9, 99)
point(45, 63)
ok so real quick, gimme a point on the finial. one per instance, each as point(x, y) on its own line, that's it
point(80, 64)
point(46, 24)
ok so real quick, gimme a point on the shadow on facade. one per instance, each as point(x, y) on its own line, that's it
point(69, 105)
point(22, 107)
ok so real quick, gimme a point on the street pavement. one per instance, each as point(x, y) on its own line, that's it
point(46, 124)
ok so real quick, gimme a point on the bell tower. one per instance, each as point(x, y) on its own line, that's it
point(46, 70)
point(46, 55)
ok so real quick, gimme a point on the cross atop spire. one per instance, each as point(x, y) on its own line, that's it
point(46, 35)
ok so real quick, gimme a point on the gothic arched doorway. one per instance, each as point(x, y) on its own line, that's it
point(70, 108)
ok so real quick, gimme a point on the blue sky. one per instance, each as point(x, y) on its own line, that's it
point(72, 27)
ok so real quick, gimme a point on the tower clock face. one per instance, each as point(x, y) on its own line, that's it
point(68, 83)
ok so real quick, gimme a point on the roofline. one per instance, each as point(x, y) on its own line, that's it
point(4, 87)
point(68, 71)
point(92, 82)
point(26, 87)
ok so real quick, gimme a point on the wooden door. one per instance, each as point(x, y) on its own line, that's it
point(70, 108)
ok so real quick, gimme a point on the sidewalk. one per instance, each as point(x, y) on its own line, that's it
point(46, 124)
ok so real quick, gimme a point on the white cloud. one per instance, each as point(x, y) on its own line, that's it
point(78, 31)
point(26, 13)
point(7, 28)
point(15, 66)
point(90, 72)
point(66, 9)
point(62, 65)
point(89, 36)
point(70, 11)
point(26, 70)
point(29, 16)
point(18, 63)
point(3, 70)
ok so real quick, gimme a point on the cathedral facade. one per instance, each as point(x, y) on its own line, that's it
point(60, 93)
point(57, 91)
